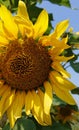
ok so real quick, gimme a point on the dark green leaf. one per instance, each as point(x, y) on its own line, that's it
point(47, 128)
point(24, 124)
point(57, 126)
point(67, 52)
point(21, 124)
point(61, 2)
point(6, 127)
point(34, 12)
point(75, 91)
point(60, 126)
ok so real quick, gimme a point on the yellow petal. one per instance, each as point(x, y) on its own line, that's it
point(8, 21)
point(62, 58)
point(41, 96)
point(15, 110)
point(18, 104)
point(1, 83)
point(58, 67)
point(11, 117)
point(3, 38)
point(58, 47)
point(8, 33)
point(49, 41)
point(38, 119)
point(60, 28)
point(3, 89)
point(61, 89)
point(25, 26)
point(64, 95)
point(3, 41)
point(5, 95)
point(37, 110)
point(41, 24)
point(8, 101)
point(60, 80)
point(22, 10)
point(47, 97)
point(28, 102)
point(47, 118)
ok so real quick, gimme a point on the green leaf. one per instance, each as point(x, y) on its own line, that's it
point(24, 124)
point(33, 12)
point(61, 2)
point(60, 126)
point(73, 38)
point(47, 128)
point(68, 52)
point(75, 91)
point(6, 127)
point(75, 126)
point(75, 66)
point(5, 2)
point(57, 126)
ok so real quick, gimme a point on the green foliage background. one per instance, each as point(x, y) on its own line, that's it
point(29, 123)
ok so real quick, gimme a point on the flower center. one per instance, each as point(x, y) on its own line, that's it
point(65, 111)
point(25, 66)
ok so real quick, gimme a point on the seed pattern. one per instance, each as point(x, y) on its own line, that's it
point(25, 66)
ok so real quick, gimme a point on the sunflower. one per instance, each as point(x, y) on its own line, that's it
point(67, 114)
point(30, 65)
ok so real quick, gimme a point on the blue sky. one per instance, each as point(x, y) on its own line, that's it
point(61, 13)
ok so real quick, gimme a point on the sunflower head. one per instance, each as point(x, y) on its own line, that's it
point(30, 61)
point(25, 66)
point(67, 114)
point(65, 111)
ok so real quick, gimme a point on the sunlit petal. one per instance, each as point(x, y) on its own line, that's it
point(22, 10)
point(18, 103)
point(41, 24)
point(64, 95)
point(37, 108)
point(47, 117)
point(8, 101)
point(28, 102)
point(8, 21)
point(11, 117)
point(47, 97)
point(63, 82)
point(60, 28)
point(4, 97)
point(58, 67)
point(61, 88)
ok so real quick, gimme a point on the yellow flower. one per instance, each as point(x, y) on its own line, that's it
point(66, 114)
point(25, 65)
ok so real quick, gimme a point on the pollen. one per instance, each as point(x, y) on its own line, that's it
point(25, 66)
